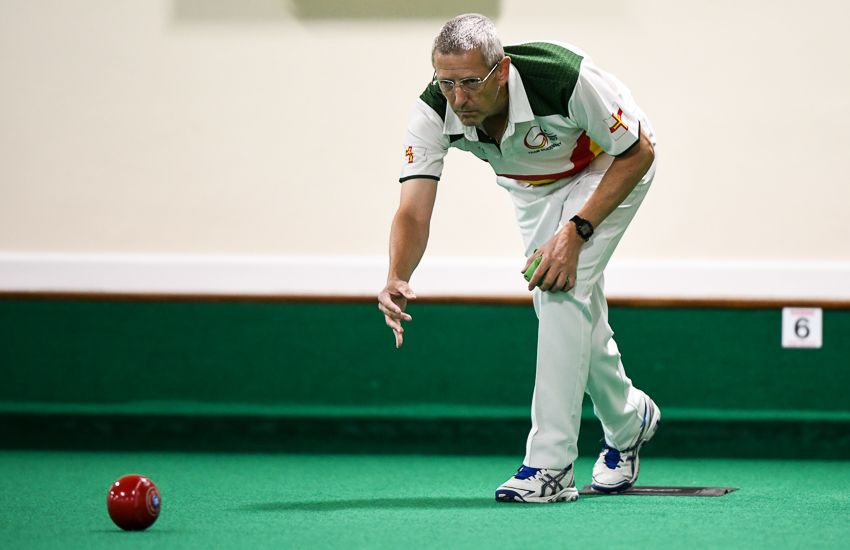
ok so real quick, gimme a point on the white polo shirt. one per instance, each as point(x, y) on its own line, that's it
point(563, 111)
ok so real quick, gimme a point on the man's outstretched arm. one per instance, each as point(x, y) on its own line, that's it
point(408, 240)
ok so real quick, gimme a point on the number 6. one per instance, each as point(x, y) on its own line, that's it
point(801, 328)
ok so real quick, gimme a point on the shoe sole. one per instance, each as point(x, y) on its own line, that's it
point(567, 495)
point(656, 413)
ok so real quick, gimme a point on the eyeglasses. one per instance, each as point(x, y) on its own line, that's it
point(468, 85)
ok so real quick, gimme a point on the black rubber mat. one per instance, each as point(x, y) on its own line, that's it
point(661, 491)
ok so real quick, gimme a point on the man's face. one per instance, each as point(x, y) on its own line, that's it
point(473, 107)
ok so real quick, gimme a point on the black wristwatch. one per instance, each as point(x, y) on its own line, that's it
point(583, 227)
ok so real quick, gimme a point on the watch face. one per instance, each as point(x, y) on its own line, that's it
point(583, 227)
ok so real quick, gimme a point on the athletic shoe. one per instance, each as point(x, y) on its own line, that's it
point(617, 470)
point(539, 485)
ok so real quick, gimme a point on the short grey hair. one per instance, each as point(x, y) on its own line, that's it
point(466, 32)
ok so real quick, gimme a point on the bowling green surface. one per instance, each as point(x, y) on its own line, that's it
point(58, 500)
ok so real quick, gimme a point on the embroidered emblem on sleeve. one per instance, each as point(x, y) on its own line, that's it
point(617, 126)
point(408, 152)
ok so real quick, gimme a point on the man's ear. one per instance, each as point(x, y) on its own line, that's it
point(504, 70)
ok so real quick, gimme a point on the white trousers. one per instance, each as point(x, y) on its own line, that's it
point(576, 352)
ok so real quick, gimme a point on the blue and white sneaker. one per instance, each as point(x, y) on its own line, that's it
point(617, 470)
point(539, 485)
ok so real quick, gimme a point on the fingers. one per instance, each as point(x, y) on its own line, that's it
point(392, 310)
point(392, 301)
point(529, 261)
point(398, 330)
point(539, 276)
point(400, 288)
point(560, 283)
point(393, 323)
point(535, 281)
point(407, 292)
point(551, 279)
point(393, 306)
point(564, 283)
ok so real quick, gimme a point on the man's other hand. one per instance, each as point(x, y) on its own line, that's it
point(392, 302)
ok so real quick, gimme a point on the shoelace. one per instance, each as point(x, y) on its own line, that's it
point(526, 472)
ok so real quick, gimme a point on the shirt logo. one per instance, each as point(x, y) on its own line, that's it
point(538, 139)
point(409, 154)
point(618, 128)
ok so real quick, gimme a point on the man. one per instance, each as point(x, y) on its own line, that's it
point(576, 154)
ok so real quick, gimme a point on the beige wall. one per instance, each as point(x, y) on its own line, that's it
point(257, 128)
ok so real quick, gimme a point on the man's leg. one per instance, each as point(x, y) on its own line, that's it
point(572, 339)
point(551, 479)
point(617, 403)
point(629, 417)
point(563, 357)
point(565, 348)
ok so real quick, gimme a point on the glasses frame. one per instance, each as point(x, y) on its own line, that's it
point(463, 83)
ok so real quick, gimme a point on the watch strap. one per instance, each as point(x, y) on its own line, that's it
point(583, 227)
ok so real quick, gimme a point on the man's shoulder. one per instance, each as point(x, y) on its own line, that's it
point(549, 71)
point(434, 99)
point(546, 55)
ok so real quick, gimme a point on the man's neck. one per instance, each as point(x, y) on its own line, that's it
point(496, 125)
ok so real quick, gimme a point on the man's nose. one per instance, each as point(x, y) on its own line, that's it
point(460, 96)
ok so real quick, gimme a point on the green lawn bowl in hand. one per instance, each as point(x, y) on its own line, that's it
point(530, 271)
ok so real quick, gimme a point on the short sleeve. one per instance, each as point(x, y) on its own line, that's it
point(425, 144)
point(602, 106)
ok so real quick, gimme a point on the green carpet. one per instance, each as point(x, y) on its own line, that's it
point(57, 500)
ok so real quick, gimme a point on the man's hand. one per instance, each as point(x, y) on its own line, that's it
point(392, 302)
point(559, 263)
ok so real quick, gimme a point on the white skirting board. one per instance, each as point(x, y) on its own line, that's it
point(436, 277)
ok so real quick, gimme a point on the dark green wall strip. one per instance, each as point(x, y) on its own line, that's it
point(341, 354)
point(726, 364)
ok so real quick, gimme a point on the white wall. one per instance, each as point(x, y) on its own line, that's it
point(183, 127)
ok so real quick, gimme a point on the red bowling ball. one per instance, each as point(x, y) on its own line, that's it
point(133, 502)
